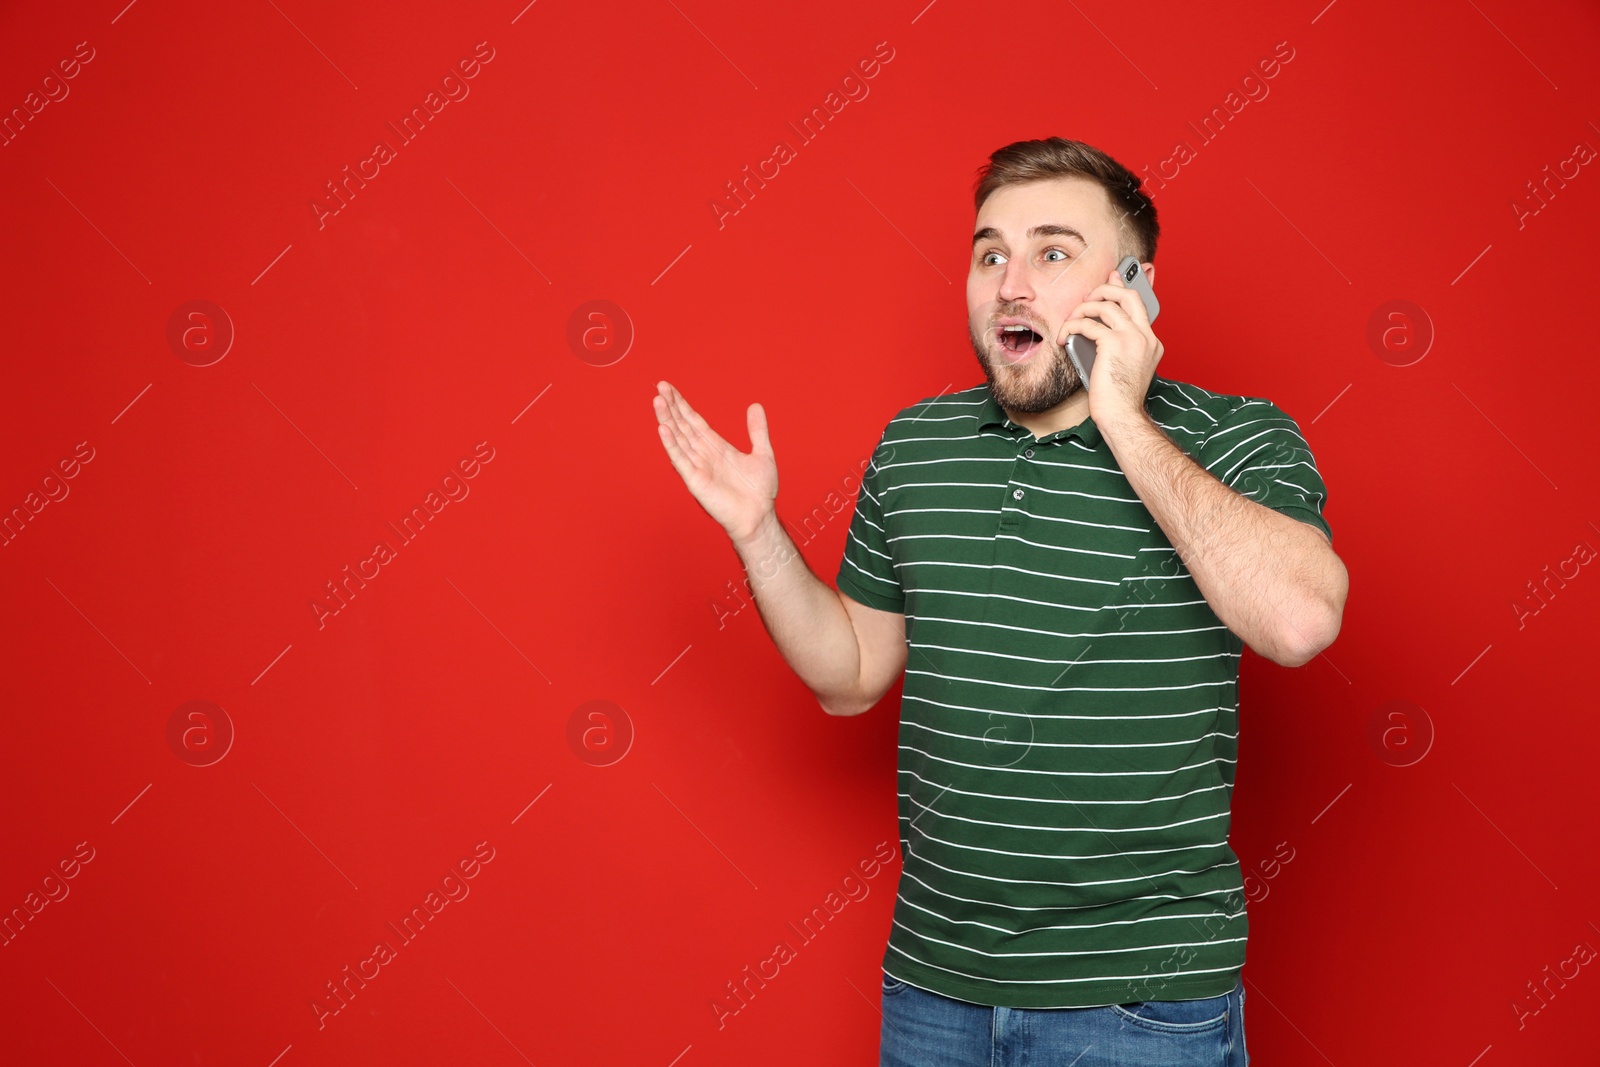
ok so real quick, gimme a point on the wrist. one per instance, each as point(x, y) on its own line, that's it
point(1120, 417)
point(751, 541)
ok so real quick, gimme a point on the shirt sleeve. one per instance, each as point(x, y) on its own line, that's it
point(867, 572)
point(1257, 450)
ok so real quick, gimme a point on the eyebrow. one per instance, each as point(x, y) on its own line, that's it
point(1044, 229)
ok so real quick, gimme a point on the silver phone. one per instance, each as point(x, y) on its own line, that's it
point(1080, 349)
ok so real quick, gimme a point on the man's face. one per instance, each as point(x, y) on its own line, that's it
point(1041, 247)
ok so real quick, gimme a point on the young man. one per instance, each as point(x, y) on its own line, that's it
point(1066, 574)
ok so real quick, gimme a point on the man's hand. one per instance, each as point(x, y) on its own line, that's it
point(1126, 350)
point(737, 489)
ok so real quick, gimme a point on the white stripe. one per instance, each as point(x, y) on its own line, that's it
point(1096, 718)
point(1074, 662)
point(1055, 826)
point(1118, 978)
point(1186, 742)
point(1165, 773)
point(1038, 518)
point(998, 906)
point(1057, 884)
point(1062, 634)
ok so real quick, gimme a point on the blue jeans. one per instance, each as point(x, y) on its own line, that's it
point(925, 1029)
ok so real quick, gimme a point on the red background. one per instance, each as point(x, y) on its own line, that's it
point(436, 709)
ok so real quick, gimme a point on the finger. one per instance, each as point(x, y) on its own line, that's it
point(690, 440)
point(703, 453)
point(1127, 299)
point(1095, 331)
point(756, 420)
point(697, 427)
point(685, 456)
point(1111, 312)
point(681, 461)
point(1119, 295)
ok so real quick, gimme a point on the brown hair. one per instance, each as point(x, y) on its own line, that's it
point(1057, 157)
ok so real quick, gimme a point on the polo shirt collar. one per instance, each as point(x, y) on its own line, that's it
point(990, 413)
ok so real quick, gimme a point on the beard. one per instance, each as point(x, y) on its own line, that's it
point(1043, 382)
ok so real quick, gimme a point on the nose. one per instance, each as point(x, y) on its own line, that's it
point(1016, 283)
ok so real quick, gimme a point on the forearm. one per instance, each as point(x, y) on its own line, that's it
point(803, 615)
point(1273, 580)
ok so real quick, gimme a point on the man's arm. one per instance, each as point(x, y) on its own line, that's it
point(844, 653)
point(1272, 579)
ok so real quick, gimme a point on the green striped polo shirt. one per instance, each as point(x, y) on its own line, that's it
point(1069, 720)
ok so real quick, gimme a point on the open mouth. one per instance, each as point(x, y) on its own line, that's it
point(1018, 341)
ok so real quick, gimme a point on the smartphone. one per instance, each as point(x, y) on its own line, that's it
point(1080, 349)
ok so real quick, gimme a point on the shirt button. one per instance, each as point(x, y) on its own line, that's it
point(1016, 494)
point(1029, 453)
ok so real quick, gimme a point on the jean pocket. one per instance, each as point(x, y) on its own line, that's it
point(1176, 1016)
point(892, 985)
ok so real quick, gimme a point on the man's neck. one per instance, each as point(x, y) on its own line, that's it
point(1068, 413)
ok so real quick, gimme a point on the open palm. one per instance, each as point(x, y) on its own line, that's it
point(735, 488)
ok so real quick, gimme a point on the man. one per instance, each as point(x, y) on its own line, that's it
point(1066, 576)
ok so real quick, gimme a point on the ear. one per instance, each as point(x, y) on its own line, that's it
point(1150, 273)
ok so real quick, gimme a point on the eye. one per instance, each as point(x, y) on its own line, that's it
point(1064, 254)
point(985, 259)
